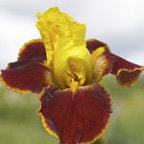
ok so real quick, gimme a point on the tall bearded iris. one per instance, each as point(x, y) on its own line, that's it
point(65, 69)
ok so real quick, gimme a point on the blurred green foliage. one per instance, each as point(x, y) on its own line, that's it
point(20, 123)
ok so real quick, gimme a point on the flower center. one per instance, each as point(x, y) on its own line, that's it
point(73, 68)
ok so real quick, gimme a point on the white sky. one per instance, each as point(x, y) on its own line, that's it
point(119, 23)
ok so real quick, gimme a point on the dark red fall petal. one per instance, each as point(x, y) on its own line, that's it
point(33, 50)
point(76, 118)
point(93, 44)
point(26, 77)
point(105, 62)
point(126, 72)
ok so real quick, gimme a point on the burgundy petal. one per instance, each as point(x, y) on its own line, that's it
point(76, 118)
point(105, 62)
point(26, 77)
point(32, 50)
point(93, 44)
point(126, 72)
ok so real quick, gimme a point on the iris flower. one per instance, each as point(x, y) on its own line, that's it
point(65, 70)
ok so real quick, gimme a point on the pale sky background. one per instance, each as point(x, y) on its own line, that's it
point(120, 23)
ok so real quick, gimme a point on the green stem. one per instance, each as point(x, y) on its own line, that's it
point(100, 141)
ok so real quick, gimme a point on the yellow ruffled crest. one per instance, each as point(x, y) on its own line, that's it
point(49, 24)
point(65, 48)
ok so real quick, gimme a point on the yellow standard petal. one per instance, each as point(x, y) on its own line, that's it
point(65, 48)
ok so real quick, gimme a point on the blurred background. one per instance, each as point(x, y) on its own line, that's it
point(118, 23)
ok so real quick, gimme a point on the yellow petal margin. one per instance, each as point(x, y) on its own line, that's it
point(66, 50)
